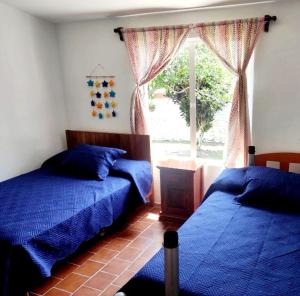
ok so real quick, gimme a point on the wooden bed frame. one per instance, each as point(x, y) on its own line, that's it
point(137, 146)
point(283, 158)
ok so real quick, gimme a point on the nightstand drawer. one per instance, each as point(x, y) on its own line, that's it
point(176, 178)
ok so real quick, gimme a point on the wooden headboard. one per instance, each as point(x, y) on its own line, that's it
point(284, 159)
point(137, 146)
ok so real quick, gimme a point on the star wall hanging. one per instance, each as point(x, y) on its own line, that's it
point(99, 105)
point(97, 84)
point(102, 86)
point(112, 94)
point(90, 83)
point(113, 104)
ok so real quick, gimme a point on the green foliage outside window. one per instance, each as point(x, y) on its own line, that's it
point(213, 83)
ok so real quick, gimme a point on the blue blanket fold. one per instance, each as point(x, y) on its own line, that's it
point(138, 171)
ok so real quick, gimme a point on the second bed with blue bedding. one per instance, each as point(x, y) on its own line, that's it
point(46, 215)
point(243, 240)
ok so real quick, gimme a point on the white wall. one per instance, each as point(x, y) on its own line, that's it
point(276, 106)
point(32, 115)
point(83, 45)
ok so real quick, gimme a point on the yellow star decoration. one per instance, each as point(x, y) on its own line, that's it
point(105, 94)
point(107, 114)
point(111, 83)
point(113, 104)
point(94, 113)
point(99, 105)
point(97, 84)
point(92, 93)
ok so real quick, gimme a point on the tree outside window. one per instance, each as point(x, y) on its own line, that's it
point(212, 92)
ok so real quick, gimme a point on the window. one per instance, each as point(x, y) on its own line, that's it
point(189, 105)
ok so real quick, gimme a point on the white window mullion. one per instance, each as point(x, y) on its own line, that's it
point(192, 93)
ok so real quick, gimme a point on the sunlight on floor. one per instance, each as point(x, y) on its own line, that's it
point(152, 216)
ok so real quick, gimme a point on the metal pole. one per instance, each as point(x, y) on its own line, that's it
point(251, 155)
point(171, 263)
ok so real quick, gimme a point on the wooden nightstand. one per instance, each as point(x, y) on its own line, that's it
point(181, 188)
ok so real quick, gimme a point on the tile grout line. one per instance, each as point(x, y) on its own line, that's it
point(96, 274)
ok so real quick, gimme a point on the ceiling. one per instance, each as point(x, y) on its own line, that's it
point(68, 10)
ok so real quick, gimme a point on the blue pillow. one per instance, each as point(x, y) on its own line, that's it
point(271, 187)
point(111, 154)
point(55, 160)
point(229, 181)
point(90, 161)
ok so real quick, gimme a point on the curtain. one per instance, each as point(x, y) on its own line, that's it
point(234, 42)
point(150, 51)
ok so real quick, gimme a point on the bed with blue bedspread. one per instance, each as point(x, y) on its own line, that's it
point(46, 214)
point(243, 240)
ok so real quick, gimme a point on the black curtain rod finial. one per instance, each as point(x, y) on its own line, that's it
point(268, 19)
point(119, 31)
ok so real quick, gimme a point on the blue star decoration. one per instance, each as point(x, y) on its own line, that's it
point(114, 114)
point(98, 95)
point(92, 103)
point(112, 94)
point(90, 83)
point(104, 83)
point(100, 115)
point(106, 105)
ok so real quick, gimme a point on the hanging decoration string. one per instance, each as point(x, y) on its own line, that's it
point(99, 67)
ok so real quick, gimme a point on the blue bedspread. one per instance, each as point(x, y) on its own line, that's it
point(45, 216)
point(232, 248)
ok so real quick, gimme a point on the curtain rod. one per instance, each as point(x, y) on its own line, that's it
point(267, 20)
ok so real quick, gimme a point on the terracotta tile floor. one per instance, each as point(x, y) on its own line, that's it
point(106, 263)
